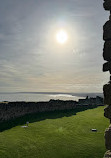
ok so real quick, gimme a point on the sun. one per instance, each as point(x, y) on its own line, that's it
point(61, 36)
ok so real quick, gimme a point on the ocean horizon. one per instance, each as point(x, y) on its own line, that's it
point(44, 96)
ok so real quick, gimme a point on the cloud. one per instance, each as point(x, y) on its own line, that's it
point(31, 60)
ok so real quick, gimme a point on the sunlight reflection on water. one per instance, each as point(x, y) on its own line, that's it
point(36, 97)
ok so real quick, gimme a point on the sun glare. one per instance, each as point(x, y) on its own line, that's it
point(61, 37)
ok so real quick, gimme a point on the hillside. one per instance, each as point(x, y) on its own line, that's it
point(58, 137)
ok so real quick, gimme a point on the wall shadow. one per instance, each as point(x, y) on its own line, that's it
point(41, 116)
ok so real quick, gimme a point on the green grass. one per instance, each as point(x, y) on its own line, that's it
point(68, 136)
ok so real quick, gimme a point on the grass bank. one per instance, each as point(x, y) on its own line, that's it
point(65, 136)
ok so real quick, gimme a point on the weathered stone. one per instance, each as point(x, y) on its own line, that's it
point(107, 30)
point(108, 138)
point(110, 17)
point(107, 94)
point(107, 5)
point(107, 154)
point(107, 51)
point(107, 66)
point(107, 112)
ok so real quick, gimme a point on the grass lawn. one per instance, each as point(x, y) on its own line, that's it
point(62, 137)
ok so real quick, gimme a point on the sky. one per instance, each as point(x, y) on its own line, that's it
point(31, 60)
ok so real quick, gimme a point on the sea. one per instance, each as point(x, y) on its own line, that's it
point(44, 96)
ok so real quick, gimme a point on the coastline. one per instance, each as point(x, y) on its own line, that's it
point(44, 96)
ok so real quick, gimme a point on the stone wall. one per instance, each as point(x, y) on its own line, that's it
point(10, 110)
point(107, 67)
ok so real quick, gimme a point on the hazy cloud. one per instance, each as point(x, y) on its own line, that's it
point(30, 58)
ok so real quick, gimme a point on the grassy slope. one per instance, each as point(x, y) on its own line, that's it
point(66, 137)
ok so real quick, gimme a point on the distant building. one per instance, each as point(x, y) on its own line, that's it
point(91, 101)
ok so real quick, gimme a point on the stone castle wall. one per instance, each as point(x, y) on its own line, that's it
point(107, 67)
point(10, 110)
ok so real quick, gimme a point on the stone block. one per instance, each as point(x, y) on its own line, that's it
point(107, 94)
point(107, 30)
point(107, 67)
point(107, 154)
point(107, 5)
point(107, 112)
point(108, 138)
point(107, 51)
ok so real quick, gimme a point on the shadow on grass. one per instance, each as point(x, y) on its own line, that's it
point(41, 116)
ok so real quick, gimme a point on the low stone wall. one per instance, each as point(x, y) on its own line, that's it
point(10, 110)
